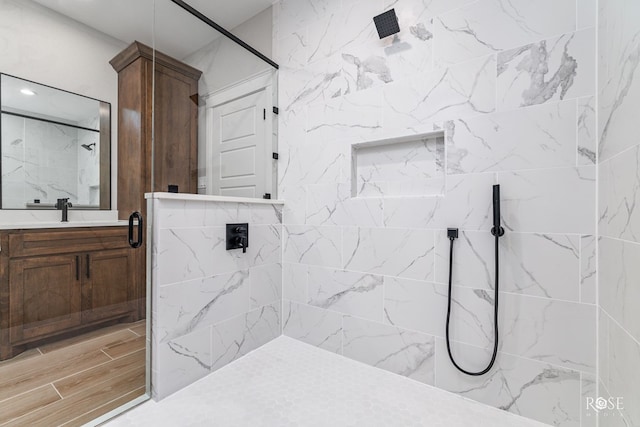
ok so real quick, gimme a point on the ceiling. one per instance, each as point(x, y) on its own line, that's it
point(177, 32)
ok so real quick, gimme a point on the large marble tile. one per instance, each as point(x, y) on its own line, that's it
point(417, 212)
point(527, 138)
point(467, 203)
point(541, 391)
point(312, 245)
point(619, 181)
point(185, 253)
point(587, 141)
point(473, 259)
point(393, 252)
point(187, 306)
point(190, 214)
point(422, 306)
point(332, 204)
point(618, 76)
point(619, 282)
point(550, 70)
point(238, 336)
point(344, 30)
point(557, 332)
point(588, 393)
point(488, 26)
point(460, 91)
point(624, 372)
point(411, 11)
point(295, 14)
point(352, 117)
point(407, 353)
point(266, 284)
point(357, 294)
point(295, 278)
point(587, 13)
point(294, 210)
point(410, 52)
point(318, 163)
point(549, 201)
point(588, 269)
point(315, 326)
point(180, 362)
point(603, 347)
point(545, 265)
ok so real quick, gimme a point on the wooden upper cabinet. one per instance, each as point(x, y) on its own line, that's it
point(175, 106)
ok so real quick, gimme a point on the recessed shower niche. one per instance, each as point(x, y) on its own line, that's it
point(406, 166)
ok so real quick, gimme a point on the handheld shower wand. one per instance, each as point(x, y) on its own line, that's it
point(497, 231)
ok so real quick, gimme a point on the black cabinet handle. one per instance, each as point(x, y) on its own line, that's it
point(77, 267)
point(132, 218)
point(88, 266)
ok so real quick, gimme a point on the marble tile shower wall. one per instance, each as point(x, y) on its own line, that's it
point(512, 84)
point(211, 306)
point(619, 184)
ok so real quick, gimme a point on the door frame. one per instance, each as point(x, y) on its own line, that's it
point(263, 80)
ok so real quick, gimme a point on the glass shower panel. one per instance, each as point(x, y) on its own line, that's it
point(73, 307)
point(228, 95)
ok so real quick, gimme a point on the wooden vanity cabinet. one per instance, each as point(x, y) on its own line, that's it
point(60, 282)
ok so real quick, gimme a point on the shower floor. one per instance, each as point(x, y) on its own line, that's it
point(289, 383)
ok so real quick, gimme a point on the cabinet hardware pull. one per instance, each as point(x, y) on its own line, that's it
point(77, 267)
point(88, 267)
point(135, 216)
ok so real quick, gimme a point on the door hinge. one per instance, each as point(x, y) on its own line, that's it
point(274, 156)
point(264, 114)
point(266, 196)
point(276, 110)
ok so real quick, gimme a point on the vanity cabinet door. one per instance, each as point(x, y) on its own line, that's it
point(45, 296)
point(108, 288)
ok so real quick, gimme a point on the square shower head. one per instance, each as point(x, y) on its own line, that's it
point(387, 23)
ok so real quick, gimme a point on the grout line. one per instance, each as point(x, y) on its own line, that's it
point(102, 350)
point(54, 387)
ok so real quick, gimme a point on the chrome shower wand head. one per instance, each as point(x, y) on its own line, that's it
point(88, 147)
point(387, 23)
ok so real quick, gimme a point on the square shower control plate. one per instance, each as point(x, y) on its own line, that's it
point(387, 23)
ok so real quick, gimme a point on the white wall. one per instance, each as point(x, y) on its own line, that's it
point(46, 47)
point(513, 87)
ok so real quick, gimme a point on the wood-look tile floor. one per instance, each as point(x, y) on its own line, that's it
point(71, 382)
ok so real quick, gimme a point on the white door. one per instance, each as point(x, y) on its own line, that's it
point(239, 146)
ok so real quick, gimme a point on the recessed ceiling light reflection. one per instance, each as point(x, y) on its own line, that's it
point(27, 92)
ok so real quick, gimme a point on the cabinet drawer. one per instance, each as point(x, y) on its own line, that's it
point(62, 241)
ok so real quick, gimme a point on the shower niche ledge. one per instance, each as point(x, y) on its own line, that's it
point(408, 166)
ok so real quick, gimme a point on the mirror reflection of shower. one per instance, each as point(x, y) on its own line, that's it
point(89, 147)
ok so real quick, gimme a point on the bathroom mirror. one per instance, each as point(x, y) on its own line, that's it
point(54, 144)
point(236, 125)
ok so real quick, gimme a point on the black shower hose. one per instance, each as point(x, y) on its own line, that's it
point(495, 315)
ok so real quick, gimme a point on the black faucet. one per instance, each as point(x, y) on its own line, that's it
point(64, 205)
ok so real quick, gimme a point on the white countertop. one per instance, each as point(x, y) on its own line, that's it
point(60, 224)
point(207, 198)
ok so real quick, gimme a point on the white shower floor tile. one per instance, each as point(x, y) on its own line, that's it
point(289, 383)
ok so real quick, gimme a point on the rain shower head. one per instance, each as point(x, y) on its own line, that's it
point(88, 147)
point(387, 23)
